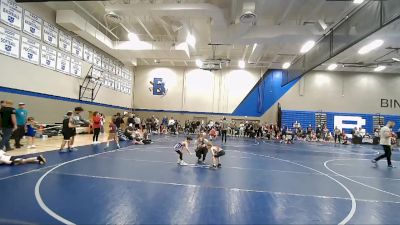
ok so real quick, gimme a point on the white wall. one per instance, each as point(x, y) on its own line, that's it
point(353, 92)
point(194, 90)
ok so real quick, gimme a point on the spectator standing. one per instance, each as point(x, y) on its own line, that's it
point(8, 123)
point(118, 120)
point(137, 122)
point(130, 120)
point(21, 115)
point(386, 142)
point(338, 133)
point(76, 120)
point(102, 121)
point(224, 129)
point(96, 124)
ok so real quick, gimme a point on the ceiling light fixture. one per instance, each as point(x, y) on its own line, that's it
point(332, 67)
point(369, 47)
point(191, 40)
point(358, 1)
point(286, 65)
point(396, 59)
point(133, 37)
point(199, 63)
point(307, 46)
point(380, 68)
point(242, 64)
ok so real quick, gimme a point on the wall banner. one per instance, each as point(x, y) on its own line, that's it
point(32, 25)
point(30, 50)
point(11, 14)
point(63, 63)
point(9, 42)
point(50, 34)
point(48, 57)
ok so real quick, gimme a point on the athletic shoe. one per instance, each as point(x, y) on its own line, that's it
point(183, 163)
point(33, 146)
point(63, 150)
point(199, 162)
point(118, 146)
point(219, 165)
point(374, 162)
point(179, 162)
point(29, 147)
point(391, 166)
point(42, 160)
point(73, 149)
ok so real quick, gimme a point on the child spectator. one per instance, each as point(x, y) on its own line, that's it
point(31, 132)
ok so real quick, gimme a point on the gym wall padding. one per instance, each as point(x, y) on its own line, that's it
point(306, 118)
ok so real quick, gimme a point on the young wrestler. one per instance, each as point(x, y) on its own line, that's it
point(201, 149)
point(67, 131)
point(18, 160)
point(216, 153)
point(112, 135)
point(184, 145)
point(213, 134)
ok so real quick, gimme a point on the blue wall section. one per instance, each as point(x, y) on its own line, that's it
point(306, 118)
point(263, 95)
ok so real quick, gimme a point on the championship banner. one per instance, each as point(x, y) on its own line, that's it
point(63, 63)
point(50, 34)
point(9, 42)
point(77, 48)
point(64, 42)
point(118, 70)
point(104, 63)
point(32, 25)
point(111, 67)
point(76, 67)
point(87, 54)
point(30, 51)
point(96, 58)
point(48, 57)
point(96, 74)
point(11, 14)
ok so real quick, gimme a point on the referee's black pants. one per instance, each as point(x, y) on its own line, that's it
point(387, 155)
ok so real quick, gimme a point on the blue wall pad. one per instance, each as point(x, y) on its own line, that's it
point(54, 97)
point(264, 94)
point(306, 118)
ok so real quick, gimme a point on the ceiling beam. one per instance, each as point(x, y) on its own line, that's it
point(245, 52)
point(164, 26)
point(285, 13)
point(145, 61)
point(95, 19)
point(233, 11)
point(145, 28)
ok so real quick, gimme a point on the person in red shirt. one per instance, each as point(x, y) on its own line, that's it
point(96, 124)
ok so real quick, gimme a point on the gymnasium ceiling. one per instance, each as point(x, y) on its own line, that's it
point(274, 37)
